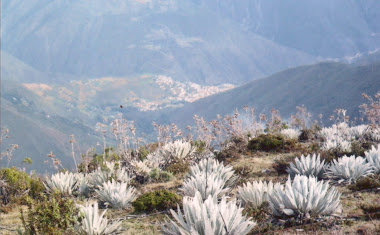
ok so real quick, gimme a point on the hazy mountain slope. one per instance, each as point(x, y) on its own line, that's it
point(15, 70)
point(321, 88)
point(328, 28)
point(37, 129)
point(127, 38)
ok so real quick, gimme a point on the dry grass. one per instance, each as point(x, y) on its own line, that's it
point(171, 185)
point(11, 221)
point(145, 225)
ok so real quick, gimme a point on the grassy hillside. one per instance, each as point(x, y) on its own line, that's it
point(322, 88)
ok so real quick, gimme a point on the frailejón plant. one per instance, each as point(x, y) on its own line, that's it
point(290, 133)
point(210, 165)
point(305, 197)
point(254, 194)
point(373, 157)
point(179, 149)
point(116, 195)
point(206, 183)
point(348, 169)
point(110, 171)
point(95, 224)
point(66, 183)
point(307, 166)
point(209, 177)
point(208, 217)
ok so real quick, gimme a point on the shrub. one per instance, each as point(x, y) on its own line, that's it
point(116, 195)
point(94, 224)
point(97, 160)
point(307, 166)
point(143, 153)
point(255, 194)
point(178, 168)
point(52, 215)
point(348, 169)
point(306, 135)
point(373, 157)
point(18, 185)
point(365, 183)
point(156, 201)
point(304, 198)
point(357, 148)
point(160, 176)
point(271, 143)
point(208, 217)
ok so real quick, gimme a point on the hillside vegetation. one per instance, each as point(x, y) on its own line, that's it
point(234, 177)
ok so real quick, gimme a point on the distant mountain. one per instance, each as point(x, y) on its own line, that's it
point(66, 65)
point(42, 116)
point(326, 28)
point(322, 88)
point(180, 39)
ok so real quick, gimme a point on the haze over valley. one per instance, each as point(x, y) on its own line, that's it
point(68, 65)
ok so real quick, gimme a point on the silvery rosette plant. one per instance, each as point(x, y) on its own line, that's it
point(205, 183)
point(208, 217)
point(179, 149)
point(64, 182)
point(210, 165)
point(348, 169)
point(373, 157)
point(359, 131)
point(108, 172)
point(254, 194)
point(337, 143)
point(141, 167)
point(94, 223)
point(305, 197)
point(116, 195)
point(337, 137)
point(83, 184)
point(290, 133)
point(309, 166)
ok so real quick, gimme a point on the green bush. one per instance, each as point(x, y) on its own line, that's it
point(96, 160)
point(358, 148)
point(365, 183)
point(200, 146)
point(143, 153)
point(156, 201)
point(307, 135)
point(178, 168)
point(20, 185)
point(271, 143)
point(53, 215)
point(160, 176)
